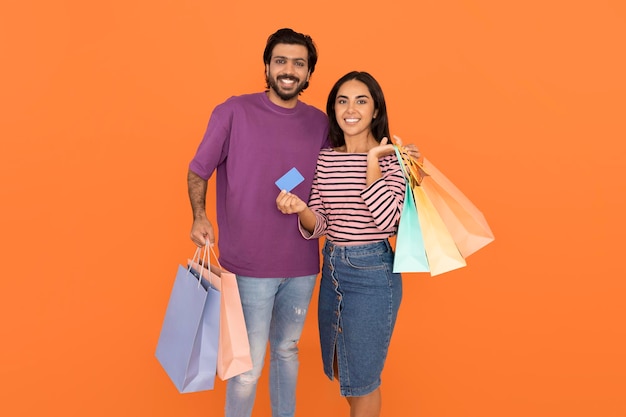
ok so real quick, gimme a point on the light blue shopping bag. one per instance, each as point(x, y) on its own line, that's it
point(188, 343)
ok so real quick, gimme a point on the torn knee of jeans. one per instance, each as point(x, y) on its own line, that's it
point(247, 378)
point(286, 350)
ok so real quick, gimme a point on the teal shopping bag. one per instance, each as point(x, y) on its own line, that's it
point(410, 254)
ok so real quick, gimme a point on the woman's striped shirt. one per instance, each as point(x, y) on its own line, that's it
point(347, 211)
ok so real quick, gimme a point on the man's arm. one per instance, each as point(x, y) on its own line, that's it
point(201, 229)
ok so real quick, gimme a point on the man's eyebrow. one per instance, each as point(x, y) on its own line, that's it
point(286, 57)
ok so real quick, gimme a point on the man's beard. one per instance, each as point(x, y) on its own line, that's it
point(285, 96)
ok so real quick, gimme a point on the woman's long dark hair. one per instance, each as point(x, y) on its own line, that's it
point(380, 125)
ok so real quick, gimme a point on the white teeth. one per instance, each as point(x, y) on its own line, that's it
point(352, 120)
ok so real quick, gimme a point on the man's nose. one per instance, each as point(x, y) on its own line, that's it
point(290, 68)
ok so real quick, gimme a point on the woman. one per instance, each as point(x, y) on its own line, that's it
point(356, 200)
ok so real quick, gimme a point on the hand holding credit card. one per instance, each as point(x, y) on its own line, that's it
point(290, 180)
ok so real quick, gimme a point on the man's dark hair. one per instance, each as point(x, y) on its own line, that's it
point(290, 37)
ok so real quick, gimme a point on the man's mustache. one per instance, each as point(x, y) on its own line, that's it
point(288, 77)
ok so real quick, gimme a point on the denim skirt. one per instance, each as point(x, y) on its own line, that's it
point(358, 304)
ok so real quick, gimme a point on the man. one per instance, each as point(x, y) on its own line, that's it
point(252, 140)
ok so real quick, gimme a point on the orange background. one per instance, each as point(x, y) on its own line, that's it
point(521, 104)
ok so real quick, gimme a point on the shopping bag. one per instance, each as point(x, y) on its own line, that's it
point(410, 254)
point(188, 343)
point(233, 357)
point(466, 223)
point(441, 251)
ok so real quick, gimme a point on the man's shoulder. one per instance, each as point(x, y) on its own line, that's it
point(236, 104)
point(241, 99)
point(312, 110)
point(309, 106)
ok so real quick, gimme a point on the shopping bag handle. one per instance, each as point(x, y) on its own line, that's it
point(215, 256)
point(414, 171)
point(205, 257)
point(196, 260)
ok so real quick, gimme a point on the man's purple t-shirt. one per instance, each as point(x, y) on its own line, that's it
point(252, 143)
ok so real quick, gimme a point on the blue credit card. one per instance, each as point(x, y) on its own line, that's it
point(290, 180)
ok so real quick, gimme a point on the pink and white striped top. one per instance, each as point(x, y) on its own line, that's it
point(348, 212)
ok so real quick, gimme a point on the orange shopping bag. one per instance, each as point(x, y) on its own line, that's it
point(441, 251)
point(464, 221)
point(233, 354)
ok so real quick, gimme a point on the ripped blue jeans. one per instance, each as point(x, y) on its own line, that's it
point(274, 310)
